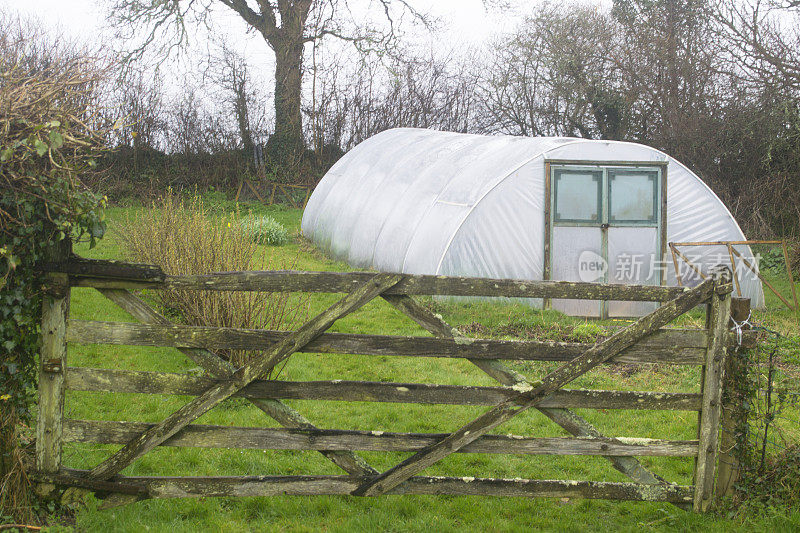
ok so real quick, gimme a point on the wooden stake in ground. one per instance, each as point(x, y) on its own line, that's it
point(705, 467)
point(52, 362)
point(734, 417)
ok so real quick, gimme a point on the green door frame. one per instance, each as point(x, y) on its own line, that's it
point(606, 168)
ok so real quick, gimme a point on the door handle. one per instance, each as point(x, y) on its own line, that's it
point(604, 226)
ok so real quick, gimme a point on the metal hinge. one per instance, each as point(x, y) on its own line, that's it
point(52, 365)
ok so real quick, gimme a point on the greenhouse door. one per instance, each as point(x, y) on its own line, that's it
point(606, 227)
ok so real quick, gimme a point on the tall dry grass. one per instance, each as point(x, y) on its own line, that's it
point(184, 238)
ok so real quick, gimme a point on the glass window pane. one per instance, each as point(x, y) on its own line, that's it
point(632, 196)
point(577, 196)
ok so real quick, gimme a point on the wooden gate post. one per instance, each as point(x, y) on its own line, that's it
point(718, 317)
point(52, 361)
point(734, 417)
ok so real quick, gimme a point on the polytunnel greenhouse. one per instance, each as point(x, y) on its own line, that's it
point(429, 202)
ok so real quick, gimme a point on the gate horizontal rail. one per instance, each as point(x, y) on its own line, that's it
point(139, 382)
point(686, 347)
point(117, 275)
point(644, 342)
point(240, 486)
point(210, 436)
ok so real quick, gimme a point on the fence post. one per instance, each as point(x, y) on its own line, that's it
point(734, 417)
point(719, 315)
point(52, 361)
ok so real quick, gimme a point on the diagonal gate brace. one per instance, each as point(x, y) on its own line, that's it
point(242, 377)
point(560, 377)
point(566, 418)
point(221, 369)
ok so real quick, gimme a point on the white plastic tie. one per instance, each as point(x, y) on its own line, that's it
point(738, 327)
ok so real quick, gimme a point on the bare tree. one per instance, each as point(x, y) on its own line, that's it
point(135, 104)
point(286, 26)
point(229, 71)
point(557, 76)
point(672, 63)
point(764, 38)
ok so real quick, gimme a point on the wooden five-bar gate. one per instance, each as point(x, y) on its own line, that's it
point(643, 341)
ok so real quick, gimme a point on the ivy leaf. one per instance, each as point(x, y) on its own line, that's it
point(41, 147)
point(56, 140)
point(6, 154)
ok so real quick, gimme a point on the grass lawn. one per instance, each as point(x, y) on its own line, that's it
point(394, 513)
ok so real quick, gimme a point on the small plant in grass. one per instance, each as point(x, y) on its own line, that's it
point(587, 332)
point(265, 230)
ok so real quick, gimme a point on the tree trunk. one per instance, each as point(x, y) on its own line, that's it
point(243, 120)
point(286, 143)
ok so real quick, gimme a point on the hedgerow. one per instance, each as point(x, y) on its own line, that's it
point(46, 143)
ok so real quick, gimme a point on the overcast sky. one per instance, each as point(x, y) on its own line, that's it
point(467, 20)
point(464, 24)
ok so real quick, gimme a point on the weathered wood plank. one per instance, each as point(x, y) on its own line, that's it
point(302, 281)
point(127, 381)
point(68, 477)
point(242, 377)
point(553, 381)
point(209, 487)
point(705, 468)
point(52, 362)
point(212, 363)
point(103, 268)
point(208, 436)
point(668, 346)
point(568, 420)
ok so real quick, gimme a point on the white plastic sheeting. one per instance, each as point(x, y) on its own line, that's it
point(429, 202)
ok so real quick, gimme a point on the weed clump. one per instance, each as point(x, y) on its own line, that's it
point(265, 230)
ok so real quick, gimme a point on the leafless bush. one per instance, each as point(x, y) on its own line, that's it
point(183, 238)
point(353, 102)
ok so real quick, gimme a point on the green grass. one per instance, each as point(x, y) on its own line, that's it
point(392, 513)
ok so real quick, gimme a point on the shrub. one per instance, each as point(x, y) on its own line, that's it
point(184, 239)
point(265, 230)
point(772, 262)
point(777, 484)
